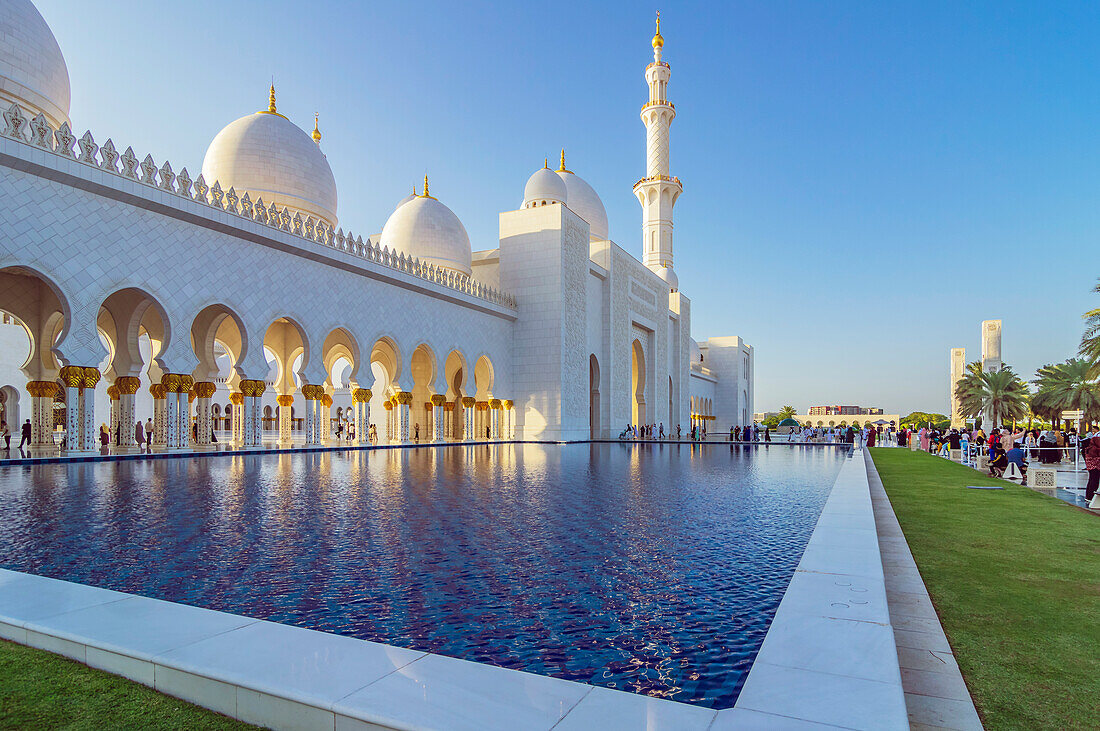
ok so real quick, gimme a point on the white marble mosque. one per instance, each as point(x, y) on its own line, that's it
point(554, 332)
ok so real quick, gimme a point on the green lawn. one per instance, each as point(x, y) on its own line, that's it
point(1015, 577)
point(40, 690)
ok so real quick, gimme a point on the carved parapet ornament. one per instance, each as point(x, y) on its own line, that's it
point(127, 385)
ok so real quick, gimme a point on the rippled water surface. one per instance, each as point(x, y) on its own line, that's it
point(649, 568)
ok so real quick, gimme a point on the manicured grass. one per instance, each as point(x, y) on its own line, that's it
point(1015, 577)
point(40, 690)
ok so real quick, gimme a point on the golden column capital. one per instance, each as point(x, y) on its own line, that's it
point(449, 406)
point(404, 397)
point(361, 395)
point(128, 385)
point(91, 376)
point(157, 390)
point(171, 382)
point(326, 400)
point(42, 389)
point(285, 400)
point(509, 403)
point(258, 388)
point(468, 402)
point(494, 404)
point(112, 392)
point(205, 389)
point(186, 382)
point(236, 399)
point(439, 399)
point(482, 405)
point(387, 406)
point(73, 376)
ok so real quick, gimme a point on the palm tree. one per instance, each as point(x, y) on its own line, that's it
point(1068, 386)
point(787, 412)
point(1000, 394)
point(1090, 341)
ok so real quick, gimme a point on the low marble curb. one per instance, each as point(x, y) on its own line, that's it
point(287, 677)
point(138, 456)
point(829, 658)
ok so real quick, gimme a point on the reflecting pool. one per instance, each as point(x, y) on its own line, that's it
point(649, 568)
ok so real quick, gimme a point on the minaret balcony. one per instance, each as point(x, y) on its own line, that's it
point(659, 178)
point(668, 104)
point(657, 63)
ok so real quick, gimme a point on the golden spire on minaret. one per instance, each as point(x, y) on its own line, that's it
point(658, 41)
point(316, 135)
point(561, 165)
point(426, 193)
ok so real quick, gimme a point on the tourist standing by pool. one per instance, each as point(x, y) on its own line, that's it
point(1092, 464)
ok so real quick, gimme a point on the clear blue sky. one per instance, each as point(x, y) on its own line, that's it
point(864, 181)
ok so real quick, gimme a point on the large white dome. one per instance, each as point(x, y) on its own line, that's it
point(32, 70)
point(430, 231)
point(582, 200)
point(544, 188)
point(270, 157)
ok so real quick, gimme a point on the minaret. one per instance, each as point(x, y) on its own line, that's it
point(657, 191)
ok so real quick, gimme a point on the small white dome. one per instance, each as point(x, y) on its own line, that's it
point(430, 231)
point(543, 188)
point(670, 278)
point(582, 200)
point(406, 199)
point(270, 157)
point(32, 70)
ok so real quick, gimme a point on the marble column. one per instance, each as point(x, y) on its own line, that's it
point(509, 419)
point(183, 411)
point(126, 386)
point(42, 394)
point(113, 394)
point(438, 415)
point(449, 420)
point(89, 439)
point(204, 391)
point(469, 414)
point(74, 379)
point(326, 419)
point(160, 415)
point(171, 384)
point(494, 418)
point(285, 402)
point(236, 401)
point(360, 398)
point(312, 394)
point(404, 399)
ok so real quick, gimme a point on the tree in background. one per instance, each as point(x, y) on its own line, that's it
point(1090, 341)
point(787, 412)
point(1066, 386)
point(920, 419)
point(1001, 394)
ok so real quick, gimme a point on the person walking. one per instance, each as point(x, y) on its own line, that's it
point(139, 436)
point(5, 432)
point(149, 435)
point(25, 434)
point(1092, 464)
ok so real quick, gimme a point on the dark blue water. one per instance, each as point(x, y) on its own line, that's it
point(648, 568)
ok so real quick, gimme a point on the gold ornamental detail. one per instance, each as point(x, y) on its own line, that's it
point(112, 393)
point(171, 382)
point(205, 389)
point(91, 376)
point(361, 395)
point(326, 400)
point(42, 389)
point(468, 402)
point(285, 400)
point(128, 385)
point(495, 404)
point(387, 406)
point(186, 383)
point(236, 399)
point(439, 399)
point(482, 406)
point(73, 376)
point(404, 397)
point(158, 390)
point(509, 403)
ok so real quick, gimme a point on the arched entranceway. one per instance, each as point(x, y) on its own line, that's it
point(594, 426)
point(637, 384)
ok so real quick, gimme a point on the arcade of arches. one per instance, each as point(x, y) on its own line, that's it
point(289, 389)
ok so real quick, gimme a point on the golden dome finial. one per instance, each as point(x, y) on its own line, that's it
point(658, 41)
point(561, 165)
point(426, 194)
point(271, 99)
point(316, 132)
point(546, 163)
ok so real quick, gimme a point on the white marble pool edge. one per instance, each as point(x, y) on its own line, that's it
point(828, 658)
